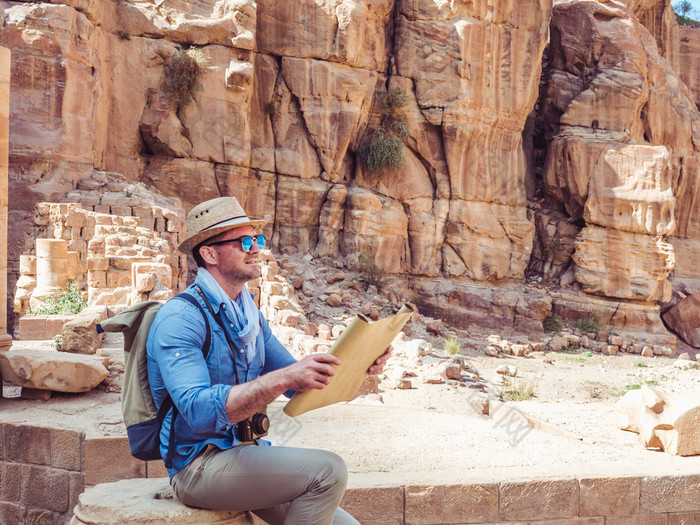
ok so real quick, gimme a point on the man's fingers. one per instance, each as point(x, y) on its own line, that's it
point(325, 358)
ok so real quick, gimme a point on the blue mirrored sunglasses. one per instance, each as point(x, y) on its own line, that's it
point(246, 242)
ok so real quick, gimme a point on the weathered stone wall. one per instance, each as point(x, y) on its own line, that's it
point(125, 243)
point(41, 484)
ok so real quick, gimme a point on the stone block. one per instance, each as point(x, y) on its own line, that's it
point(76, 486)
point(67, 449)
point(50, 370)
point(108, 459)
point(75, 219)
point(539, 499)
point(27, 264)
point(669, 494)
point(11, 513)
point(123, 211)
point(32, 328)
point(448, 504)
point(45, 487)
point(97, 279)
point(118, 279)
point(9, 482)
point(640, 519)
point(144, 282)
point(137, 501)
point(98, 264)
point(54, 324)
point(80, 333)
point(610, 350)
point(375, 505)
point(685, 518)
point(27, 444)
point(163, 272)
point(156, 469)
point(369, 386)
point(609, 496)
point(39, 517)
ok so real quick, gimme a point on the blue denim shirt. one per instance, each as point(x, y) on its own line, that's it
point(199, 388)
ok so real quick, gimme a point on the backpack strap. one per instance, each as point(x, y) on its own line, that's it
point(168, 401)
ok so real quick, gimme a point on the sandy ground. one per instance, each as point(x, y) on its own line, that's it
point(433, 434)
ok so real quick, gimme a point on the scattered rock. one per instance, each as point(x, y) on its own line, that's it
point(662, 420)
point(507, 370)
point(491, 351)
point(450, 370)
point(334, 300)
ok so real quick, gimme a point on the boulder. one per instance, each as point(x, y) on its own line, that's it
point(684, 319)
point(50, 370)
point(667, 421)
point(79, 335)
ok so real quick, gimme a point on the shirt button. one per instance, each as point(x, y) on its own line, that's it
point(231, 325)
point(223, 306)
point(241, 351)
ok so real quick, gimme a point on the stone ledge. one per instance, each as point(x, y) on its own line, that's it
point(140, 501)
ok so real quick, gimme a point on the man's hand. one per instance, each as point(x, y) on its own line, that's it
point(312, 372)
point(378, 365)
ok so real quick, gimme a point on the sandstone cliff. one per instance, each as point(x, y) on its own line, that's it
point(294, 92)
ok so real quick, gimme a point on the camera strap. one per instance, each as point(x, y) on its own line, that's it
point(221, 324)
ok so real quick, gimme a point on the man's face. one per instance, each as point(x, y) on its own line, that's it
point(233, 263)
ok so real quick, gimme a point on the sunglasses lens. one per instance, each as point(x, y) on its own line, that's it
point(261, 241)
point(246, 243)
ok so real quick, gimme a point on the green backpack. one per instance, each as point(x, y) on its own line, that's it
point(142, 418)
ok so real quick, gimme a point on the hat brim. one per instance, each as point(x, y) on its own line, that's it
point(188, 244)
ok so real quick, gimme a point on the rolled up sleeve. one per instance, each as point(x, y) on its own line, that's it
point(176, 347)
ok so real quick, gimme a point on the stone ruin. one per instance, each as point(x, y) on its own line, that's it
point(121, 249)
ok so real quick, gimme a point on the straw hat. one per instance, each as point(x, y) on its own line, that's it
point(213, 217)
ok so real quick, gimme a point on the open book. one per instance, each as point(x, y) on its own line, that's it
point(358, 348)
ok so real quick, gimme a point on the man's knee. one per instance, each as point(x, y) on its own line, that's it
point(335, 472)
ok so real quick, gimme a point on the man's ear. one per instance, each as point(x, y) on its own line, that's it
point(208, 254)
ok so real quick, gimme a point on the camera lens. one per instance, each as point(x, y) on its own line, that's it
point(260, 423)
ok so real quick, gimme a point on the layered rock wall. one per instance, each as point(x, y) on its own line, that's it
point(293, 93)
point(290, 95)
point(623, 157)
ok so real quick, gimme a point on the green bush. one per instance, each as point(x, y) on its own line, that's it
point(553, 323)
point(452, 346)
point(69, 301)
point(518, 390)
point(588, 324)
point(394, 101)
point(182, 74)
point(384, 150)
point(371, 274)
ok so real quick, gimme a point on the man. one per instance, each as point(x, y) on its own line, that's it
point(214, 465)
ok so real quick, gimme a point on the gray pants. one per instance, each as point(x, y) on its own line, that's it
point(281, 485)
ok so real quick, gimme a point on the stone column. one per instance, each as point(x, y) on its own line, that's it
point(52, 265)
point(5, 339)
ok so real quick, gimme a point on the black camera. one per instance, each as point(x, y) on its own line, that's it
point(253, 427)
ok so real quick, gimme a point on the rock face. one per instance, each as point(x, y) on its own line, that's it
point(662, 420)
point(293, 95)
point(282, 126)
point(622, 160)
